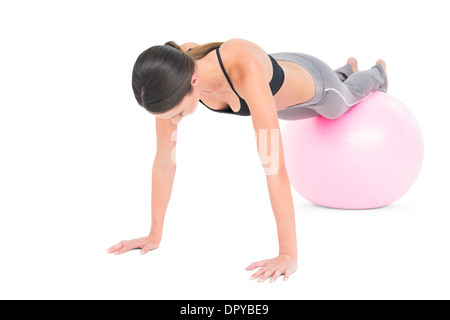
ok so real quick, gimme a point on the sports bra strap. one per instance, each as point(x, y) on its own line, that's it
point(224, 72)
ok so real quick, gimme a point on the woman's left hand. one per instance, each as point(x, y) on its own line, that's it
point(283, 264)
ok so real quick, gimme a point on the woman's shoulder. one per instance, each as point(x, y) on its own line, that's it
point(239, 46)
point(241, 52)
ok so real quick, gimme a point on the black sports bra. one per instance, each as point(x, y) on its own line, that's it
point(275, 85)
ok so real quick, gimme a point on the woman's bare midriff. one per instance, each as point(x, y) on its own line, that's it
point(298, 86)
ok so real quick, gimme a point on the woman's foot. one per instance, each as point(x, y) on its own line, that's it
point(383, 65)
point(353, 63)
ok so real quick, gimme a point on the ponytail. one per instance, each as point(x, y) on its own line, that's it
point(198, 52)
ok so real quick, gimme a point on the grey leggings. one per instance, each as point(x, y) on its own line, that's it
point(336, 90)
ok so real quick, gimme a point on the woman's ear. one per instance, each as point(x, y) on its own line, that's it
point(195, 80)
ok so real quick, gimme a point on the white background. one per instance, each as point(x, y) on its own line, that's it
point(77, 150)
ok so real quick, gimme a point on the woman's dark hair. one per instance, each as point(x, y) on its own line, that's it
point(162, 75)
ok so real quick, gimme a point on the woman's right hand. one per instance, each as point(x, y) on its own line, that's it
point(145, 244)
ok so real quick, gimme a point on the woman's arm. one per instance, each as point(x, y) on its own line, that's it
point(270, 149)
point(250, 81)
point(163, 173)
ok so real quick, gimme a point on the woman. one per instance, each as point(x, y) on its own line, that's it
point(238, 77)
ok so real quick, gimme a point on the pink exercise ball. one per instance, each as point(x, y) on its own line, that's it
point(368, 158)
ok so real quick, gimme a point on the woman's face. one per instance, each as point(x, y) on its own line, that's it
point(185, 107)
